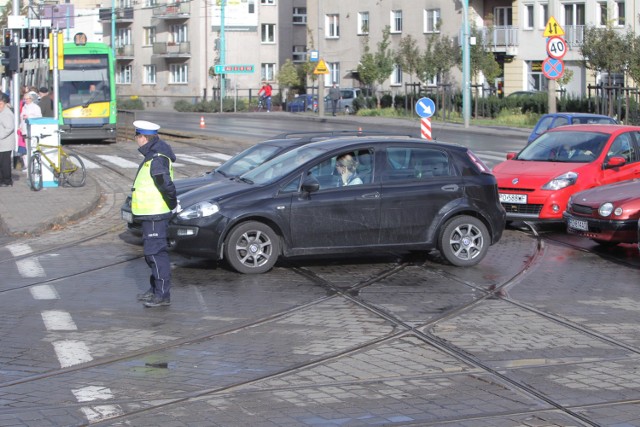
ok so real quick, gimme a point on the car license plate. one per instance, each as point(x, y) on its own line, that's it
point(127, 216)
point(513, 198)
point(578, 224)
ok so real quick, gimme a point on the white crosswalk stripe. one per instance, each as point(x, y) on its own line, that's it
point(119, 161)
point(197, 161)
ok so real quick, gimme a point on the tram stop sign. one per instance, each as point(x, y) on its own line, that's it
point(425, 108)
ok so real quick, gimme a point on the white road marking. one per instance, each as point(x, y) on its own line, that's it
point(197, 161)
point(90, 393)
point(19, 249)
point(44, 292)
point(56, 320)
point(30, 267)
point(88, 164)
point(96, 414)
point(119, 161)
point(71, 352)
point(220, 156)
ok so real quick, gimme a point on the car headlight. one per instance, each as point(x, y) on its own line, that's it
point(562, 181)
point(199, 210)
point(605, 209)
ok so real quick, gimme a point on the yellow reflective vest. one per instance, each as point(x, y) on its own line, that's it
point(146, 199)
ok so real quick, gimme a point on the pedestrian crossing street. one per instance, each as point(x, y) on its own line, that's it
point(213, 159)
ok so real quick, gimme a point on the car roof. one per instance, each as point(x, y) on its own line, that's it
point(566, 114)
point(345, 142)
point(596, 127)
point(295, 139)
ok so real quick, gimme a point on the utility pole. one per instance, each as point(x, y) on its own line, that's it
point(466, 65)
point(223, 3)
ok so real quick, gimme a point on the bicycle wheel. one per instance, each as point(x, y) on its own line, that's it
point(72, 170)
point(35, 172)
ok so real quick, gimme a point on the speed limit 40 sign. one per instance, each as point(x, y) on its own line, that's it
point(556, 47)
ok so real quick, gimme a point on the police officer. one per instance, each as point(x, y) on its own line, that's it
point(153, 199)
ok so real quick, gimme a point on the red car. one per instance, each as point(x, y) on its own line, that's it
point(607, 214)
point(536, 183)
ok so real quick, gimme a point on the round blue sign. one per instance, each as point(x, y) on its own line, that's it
point(425, 108)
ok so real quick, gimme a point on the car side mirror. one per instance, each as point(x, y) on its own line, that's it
point(614, 162)
point(511, 155)
point(310, 184)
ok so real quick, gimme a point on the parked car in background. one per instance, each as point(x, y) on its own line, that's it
point(525, 94)
point(554, 120)
point(607, 214)
point(408, 196)
point(536, 183)
point(302, 103)
point(346, 102)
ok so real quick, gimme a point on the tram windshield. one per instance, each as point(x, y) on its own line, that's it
point(84, 80)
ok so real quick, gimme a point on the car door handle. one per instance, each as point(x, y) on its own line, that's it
point(450, 187)
point(375, 195)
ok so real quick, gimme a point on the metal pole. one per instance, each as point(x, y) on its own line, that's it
point(113, 27)
point(56, 75)
point(320, 76)
point(223, 3)
point(466, 66)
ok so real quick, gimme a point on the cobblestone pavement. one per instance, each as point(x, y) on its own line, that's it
point(539, 334)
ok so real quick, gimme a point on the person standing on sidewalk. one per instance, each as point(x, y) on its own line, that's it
point(153, 200)
point(334, 96)
point(7, 141)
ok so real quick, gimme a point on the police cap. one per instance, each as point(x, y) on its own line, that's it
point(146, 128)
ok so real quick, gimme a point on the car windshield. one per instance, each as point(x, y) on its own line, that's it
point(573, 147)
point(280, 166)
point(247, 160)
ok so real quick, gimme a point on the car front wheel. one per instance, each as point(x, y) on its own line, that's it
point(252, 248)
point(464, 241)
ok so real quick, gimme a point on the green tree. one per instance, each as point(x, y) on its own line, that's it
point(289, 78)
point(375, 67)
point(606, 50)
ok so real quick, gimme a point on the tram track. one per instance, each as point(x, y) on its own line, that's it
point(352, 294)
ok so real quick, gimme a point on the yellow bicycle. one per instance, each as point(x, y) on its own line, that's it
point(68, 170)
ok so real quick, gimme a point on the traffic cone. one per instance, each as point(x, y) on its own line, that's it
point(202, 121)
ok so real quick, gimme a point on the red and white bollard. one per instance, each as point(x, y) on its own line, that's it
point(425, 129)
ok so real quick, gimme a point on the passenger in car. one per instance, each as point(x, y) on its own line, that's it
point(346, 166)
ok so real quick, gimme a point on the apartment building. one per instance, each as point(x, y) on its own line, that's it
point(166, 50)
point(512, 30)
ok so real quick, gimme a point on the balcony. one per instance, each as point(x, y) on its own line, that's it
point(123, 15)
point(180, 50)
point(176, 10)
point(125, 52)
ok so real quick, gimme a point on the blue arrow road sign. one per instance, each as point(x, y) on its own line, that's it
point(425, 108)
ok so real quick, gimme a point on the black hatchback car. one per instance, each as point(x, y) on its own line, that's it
point(239, 164)
point(408, 195)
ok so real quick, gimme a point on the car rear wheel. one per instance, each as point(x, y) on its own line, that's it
point(464, 241)
point(252, 248)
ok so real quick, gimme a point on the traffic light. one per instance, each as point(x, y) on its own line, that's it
point(10, 58)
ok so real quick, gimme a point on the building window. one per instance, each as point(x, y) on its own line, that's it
point(299, 15)
point(268, 33)
point(332, 26)
point(267, 72)
point(178, 73)
point(396, 76)
point(574, 14)
point(363, 23)
point(149, 77)
point(123, 75)
point(396, 21)
point(544, 16)
point(267, 1)
point(432, 21)
point(602, 14)
point(620, 13)
point(122, 4)
point(334, 73)
point(503, 16)
point(149, 36)
point(299, 53)
point(528, 17)
point(150, 3)
point(178, 33)
point(124, 37)
point(251, 7)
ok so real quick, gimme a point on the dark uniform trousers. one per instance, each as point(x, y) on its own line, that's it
point(154, 238)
